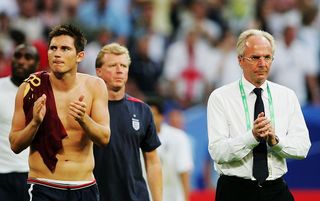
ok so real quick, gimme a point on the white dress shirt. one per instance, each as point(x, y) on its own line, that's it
point(231, 144)
point(9, 161)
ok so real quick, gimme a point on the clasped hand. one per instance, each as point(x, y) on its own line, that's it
point(262, 129)
point(39, 109)
point(77, 109)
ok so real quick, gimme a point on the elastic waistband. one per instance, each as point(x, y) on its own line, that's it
point(264, 184)
point(61, 186)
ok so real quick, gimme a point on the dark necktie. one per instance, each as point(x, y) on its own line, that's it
point(260, 164)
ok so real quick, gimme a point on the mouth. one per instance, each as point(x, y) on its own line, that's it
point(57, 62)
point(260, 72)
point(118, 79)
point(19, 70)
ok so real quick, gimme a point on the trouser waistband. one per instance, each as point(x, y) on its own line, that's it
point(60, 185)
point(264, 184)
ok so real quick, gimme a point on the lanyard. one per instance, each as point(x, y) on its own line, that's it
point(245, 105)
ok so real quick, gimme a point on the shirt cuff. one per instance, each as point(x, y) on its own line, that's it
point(249, 140)
point(278, 147)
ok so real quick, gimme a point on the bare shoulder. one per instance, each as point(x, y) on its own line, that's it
point(93, 83)
point(23, 89)
point(90, 80)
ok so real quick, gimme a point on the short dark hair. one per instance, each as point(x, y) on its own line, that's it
point(157, 102)
point(30, 49)
point(68, 29)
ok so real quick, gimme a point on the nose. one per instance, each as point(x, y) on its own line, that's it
point(56, 53)
point(22, 59)
point(119, 68)
point(262, 60)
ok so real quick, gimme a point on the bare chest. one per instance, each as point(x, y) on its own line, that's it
point(63, 100)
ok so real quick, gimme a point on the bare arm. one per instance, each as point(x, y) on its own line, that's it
point(314, 88)
point(21, 135)
point(96, 126)
point(154, 174)
point(185, 181)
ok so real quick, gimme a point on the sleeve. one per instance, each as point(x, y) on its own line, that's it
point(223, 146)
point(184, 160)
point(296, 142)
point(151, 140)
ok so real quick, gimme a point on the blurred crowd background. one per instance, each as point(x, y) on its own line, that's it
point(181, 49)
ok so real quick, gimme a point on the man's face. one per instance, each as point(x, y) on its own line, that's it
point(62, 54)
point(24, 63)
point(256, 60)
point(114, 71)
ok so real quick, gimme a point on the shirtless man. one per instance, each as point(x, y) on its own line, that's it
point(60, 115)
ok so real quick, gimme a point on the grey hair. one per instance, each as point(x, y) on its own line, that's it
point(253, 32)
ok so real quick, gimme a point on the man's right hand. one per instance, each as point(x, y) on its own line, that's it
point(39, 109)
point(261, 127)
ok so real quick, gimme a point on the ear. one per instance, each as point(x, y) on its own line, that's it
point(98, 72)
point(240, 59)
point(80, 56)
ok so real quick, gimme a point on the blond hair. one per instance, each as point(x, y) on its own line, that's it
point(112, 48)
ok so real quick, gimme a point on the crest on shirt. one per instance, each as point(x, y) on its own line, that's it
point(135, 123)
